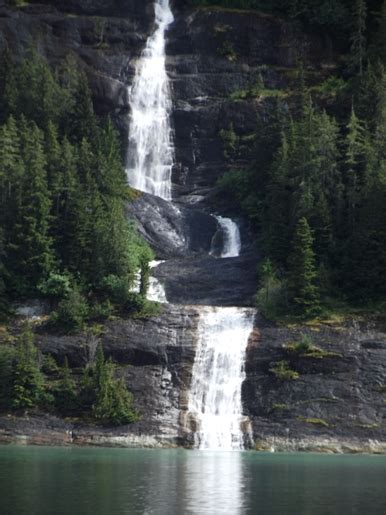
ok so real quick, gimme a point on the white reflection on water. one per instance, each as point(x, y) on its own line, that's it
point(199, 483)
point(216, 483)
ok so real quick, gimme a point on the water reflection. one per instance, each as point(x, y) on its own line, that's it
point(195, 482)
point(46, 481)
point(214, 482)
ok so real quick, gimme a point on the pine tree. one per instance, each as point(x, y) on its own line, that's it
point(380, 43)
point(82, 121)
point(6, 69)
point(113, 403)
point(302, 271)
point(28, 383)
point(358, 37)
point(354, 164)
point(4, 278)
point(11, 177)
point(276, 224)
point(36, 257)
point(66, 396)
point(65, 189)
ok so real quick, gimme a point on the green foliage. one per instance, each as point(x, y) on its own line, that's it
point(62, 189)
point(49, 365)
point(56, 286)
point(271, 296)
point(113, 403)
point(65, 392)
point(230, 141)
point(304, 345)
point(27, 378)
point(72, 311)
point(283, 372)
point(302, 287)
point(7, 358)
point(358, 37)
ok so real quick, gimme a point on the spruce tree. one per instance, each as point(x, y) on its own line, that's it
point(28, 382)
point(358, 37)
point(302, 271)
point(354, 165)
point(113, 402)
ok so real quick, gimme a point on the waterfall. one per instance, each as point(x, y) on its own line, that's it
point(231, 237)
point(150, 156)
point(218, 371)
point(156, 291)
point(217, 376)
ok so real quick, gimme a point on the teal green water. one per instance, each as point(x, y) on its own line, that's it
point(54, 481)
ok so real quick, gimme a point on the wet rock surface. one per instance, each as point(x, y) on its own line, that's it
point(340, 391)
point(205, 280)
point(155, 357)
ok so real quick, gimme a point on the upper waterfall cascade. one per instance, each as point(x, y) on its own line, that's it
point(217, 377)
point(150, 156)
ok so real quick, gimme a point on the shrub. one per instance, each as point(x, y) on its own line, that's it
point(72, 311)
point(303, 346)
point(283, 371)
point(49, 365)
point(116, 289)
point(56, 286)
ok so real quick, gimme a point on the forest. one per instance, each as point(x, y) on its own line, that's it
point(315, 187)
point(64, 236)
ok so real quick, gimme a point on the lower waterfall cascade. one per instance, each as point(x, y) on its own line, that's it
point(217, 377)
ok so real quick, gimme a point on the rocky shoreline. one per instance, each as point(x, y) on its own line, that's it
point(43, 431)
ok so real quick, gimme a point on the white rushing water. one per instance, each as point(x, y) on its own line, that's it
point(150, 157)
point(217, 376)
point(232, 239)
point(156, 291)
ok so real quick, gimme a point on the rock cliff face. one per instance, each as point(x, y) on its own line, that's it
point(337, 403)
point(339, 395)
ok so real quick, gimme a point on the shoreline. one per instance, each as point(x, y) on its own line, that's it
point(34, 434)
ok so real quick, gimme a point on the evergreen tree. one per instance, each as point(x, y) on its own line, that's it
point(4, 276)
point(355, 163)
point(35, 257)
point(28, 382)
point(275, 223)
point(81, 120)
point(302, 271)
point(66, 396)
point(380, 42)
point(12, 172)
point(358, 37)
point(113, 403)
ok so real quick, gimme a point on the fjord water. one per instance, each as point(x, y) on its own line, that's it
point(46, 481)
point(150, 153)
point(217, 377)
